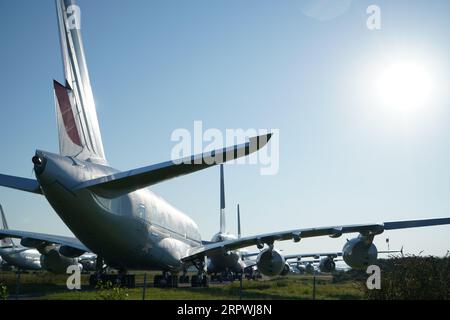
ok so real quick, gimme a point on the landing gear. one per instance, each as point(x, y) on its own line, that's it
point(101, 277)
point(166, 280)
point(200, 280)
point(250, 274)
point(127, 280)
point(184, 278)
point(225, 276)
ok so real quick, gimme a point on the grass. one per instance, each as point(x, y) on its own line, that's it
point(52, 287)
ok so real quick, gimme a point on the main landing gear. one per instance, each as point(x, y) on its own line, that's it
point(101, 277)
point(166, 280)
point(201, 279)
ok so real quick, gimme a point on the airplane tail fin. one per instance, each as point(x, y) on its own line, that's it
point(78, 128)
point(239, 221)
point(6, 242)
point(222, 201)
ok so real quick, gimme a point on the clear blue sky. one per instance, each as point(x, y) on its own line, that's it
point(156, 66)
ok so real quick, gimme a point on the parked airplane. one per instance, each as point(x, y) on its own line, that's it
point(230, 265)
point(20, 257)
point(326, 262)
point(44, 256)
point(114, 216)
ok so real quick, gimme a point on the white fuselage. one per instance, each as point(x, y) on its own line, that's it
point(22, 258)
point(228, 261)
point(133, 231)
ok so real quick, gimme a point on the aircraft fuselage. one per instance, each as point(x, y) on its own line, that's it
point(22, 258)
point(133, 231)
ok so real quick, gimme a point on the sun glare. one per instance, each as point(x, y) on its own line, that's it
point(404, 86)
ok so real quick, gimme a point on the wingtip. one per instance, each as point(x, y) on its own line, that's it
point(261, 140)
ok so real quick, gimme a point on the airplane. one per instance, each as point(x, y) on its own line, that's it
point(113, 214)
point(47, 257)
point(22, 258)
point(326, 261)
point(230, 265)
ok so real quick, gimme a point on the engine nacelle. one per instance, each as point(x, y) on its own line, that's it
point(70, 252)
point(327, 265)
point(35, 244)
point(54, 262)
point(270, 262)
point(359, 253)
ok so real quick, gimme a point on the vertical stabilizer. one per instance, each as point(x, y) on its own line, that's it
point(239, 221)
point(6, 242)
point(79, 132)
point(222, 201)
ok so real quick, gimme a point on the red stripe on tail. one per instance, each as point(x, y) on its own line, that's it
point(67, 113)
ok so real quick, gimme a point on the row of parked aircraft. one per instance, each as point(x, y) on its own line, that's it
point(115, 216)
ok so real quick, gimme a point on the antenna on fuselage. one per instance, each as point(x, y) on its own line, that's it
point(222, 201)
point(239, 221)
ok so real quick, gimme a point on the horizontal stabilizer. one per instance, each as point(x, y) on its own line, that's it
point(23, 184)
point(125, 182)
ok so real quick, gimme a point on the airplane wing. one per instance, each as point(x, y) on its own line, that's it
point(198, 253)
point(313, 255)
point(301, 255)
point(50, 239)
point(295, 263)
point(23, 184)
point(121, 183)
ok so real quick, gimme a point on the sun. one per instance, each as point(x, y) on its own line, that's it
point(404, 86)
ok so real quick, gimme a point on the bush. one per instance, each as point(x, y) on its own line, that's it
point(108, 291)
point(412, 278)
point(3, 292)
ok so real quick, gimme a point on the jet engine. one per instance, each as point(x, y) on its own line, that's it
point(55, 262)
point(270, 262)
point(359, 253)
point(327, 265)
point(52, 257)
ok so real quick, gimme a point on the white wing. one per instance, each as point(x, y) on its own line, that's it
point(46, 238)
point(296, 235)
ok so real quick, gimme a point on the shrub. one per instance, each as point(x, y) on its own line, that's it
point(3, 292)
point(412, 278)
point(108, 291)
